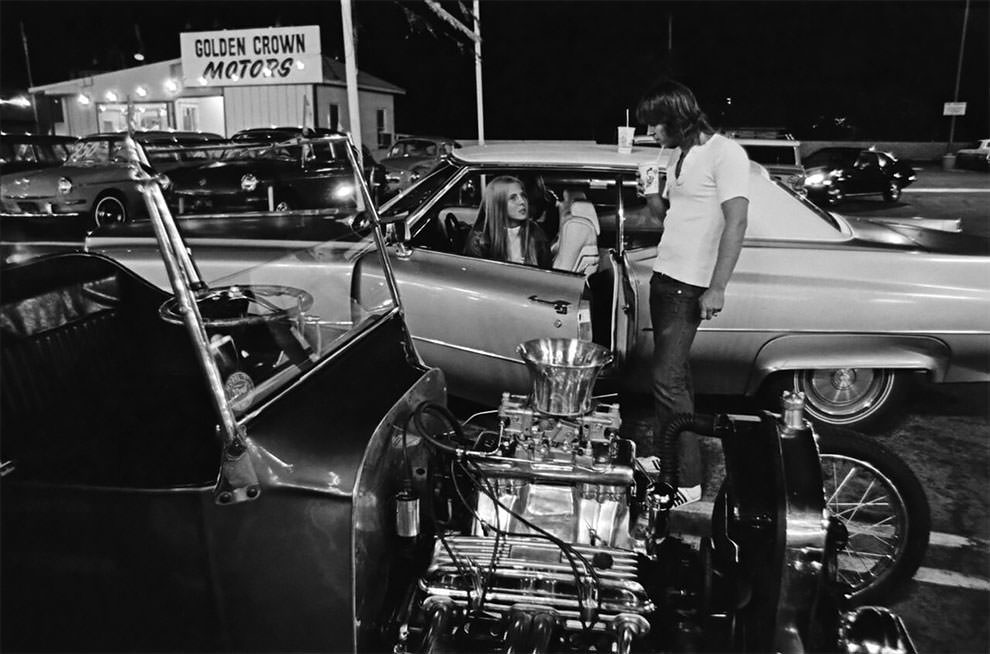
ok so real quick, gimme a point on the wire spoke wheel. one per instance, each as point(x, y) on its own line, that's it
point(883, 508)
point(873, 513)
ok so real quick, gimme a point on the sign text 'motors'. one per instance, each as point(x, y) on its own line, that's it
point(257, 56)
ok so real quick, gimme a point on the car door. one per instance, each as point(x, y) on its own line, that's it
point(468, 315)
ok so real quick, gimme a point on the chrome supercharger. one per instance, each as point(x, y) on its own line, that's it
point(557, 541)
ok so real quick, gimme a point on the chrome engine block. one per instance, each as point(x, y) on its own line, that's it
point(569, 478)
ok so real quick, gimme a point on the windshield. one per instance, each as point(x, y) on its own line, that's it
point(284, 293)
point(416, 194)
point(103, 151)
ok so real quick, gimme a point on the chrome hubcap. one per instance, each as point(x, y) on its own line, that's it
point(844, 394)
point(109, 210)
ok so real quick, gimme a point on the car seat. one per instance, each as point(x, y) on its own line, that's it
point(574, 231)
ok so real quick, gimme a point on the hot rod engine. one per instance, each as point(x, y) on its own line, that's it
point(544, 534)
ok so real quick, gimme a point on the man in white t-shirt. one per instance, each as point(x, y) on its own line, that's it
point(703, 208)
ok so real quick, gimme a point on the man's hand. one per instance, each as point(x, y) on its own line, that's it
point(711, 302)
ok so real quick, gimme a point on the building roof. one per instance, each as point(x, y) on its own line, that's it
point(333, 73)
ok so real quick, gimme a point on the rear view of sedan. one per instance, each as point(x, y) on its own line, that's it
point(833, 174)
point(297, 174)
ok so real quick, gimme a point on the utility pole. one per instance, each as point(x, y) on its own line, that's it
point(955, 94)
point(350, 68)
point(27, 61)
point(474, 35)
point(477, 71)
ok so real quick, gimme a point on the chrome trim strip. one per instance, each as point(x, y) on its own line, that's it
point(463, 348)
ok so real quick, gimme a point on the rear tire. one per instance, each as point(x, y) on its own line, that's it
point(865, 399)
point(893, 193)
point(882, 505)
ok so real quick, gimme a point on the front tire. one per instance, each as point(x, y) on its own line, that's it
point(109, 209)
point(865, 399)
point(883, 507)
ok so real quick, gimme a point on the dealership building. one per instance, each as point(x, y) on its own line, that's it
point(226, 81)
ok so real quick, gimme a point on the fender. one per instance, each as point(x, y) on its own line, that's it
point(809, 351)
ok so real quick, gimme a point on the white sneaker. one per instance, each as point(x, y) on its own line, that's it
point(686, 495)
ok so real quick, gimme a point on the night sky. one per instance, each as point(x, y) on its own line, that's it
point(569, 69)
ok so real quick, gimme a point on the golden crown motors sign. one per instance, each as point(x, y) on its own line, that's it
point(271, 55)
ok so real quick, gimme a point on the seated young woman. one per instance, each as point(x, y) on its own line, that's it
point(508, 234)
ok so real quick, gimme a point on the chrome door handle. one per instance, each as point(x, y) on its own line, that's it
point(560, 306)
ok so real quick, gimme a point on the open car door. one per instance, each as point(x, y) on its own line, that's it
point(467, 316)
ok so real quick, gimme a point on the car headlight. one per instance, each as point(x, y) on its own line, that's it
point(414, 175)
point(816, 179)
point(64, 186)
point(249, 182)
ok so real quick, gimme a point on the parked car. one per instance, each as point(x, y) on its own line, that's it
point(976, 156)
point(835, 173)
point(98, 182)
point(374, 171)
point(412, 157)
point(846, 310)
point(301, 173)
point(21, 152)
point(265, 457)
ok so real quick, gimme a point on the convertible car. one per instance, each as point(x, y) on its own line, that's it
point(262, 463)
point(846, 310)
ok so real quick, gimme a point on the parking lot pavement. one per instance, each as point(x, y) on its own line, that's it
point(937, 193)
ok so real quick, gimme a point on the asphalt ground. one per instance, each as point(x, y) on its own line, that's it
point(937, 193)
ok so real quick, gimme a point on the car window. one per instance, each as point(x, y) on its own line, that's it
point(90, 152)
point(410, 199)
point(25, 152)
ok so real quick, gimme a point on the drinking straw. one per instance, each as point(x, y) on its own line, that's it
point(627, 117)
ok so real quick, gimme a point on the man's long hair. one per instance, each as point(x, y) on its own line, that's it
point(674, 106)
point(497, 220)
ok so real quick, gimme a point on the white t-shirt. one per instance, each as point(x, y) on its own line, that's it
point(711, 173)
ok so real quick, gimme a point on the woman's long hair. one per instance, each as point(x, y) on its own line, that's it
point(674, 106)
point(497, 220)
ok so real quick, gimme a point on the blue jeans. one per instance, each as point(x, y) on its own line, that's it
point(675, 314)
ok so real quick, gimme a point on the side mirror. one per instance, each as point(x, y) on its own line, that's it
point(396, 232)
